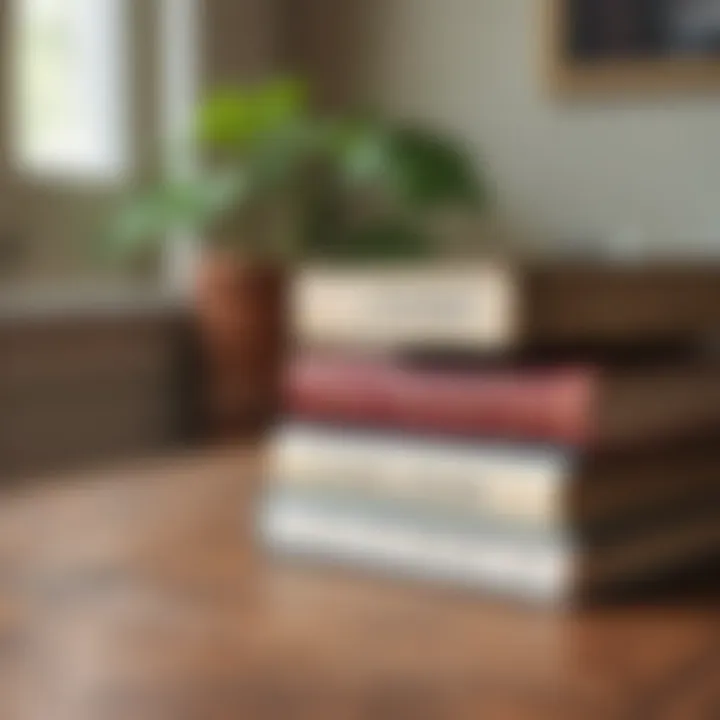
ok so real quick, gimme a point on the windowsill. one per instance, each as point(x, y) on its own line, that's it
point(28, 302)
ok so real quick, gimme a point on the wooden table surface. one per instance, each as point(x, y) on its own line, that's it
point(137, 595)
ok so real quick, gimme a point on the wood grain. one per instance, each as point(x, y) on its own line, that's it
point(138, 594)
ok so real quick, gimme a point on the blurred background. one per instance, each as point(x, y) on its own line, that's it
point(94, 92)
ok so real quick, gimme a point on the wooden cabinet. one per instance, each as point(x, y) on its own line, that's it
point(90, 384)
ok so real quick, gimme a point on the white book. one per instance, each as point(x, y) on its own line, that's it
point(553, 572)
point(539, 573)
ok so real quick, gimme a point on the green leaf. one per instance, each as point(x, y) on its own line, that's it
point(415, 167)
point(281, 102)
point(236, 118)
point(426, 170)
point(228, 119)
point(207, 198)
point(360, 149)
point(175, 206)
point(138, 225)
point(282, 161)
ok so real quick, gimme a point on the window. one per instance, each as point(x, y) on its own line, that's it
point(69, 95)
point(180, 23)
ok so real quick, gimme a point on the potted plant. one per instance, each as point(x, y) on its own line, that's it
point(282, 184)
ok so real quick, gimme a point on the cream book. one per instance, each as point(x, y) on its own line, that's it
point(496, 306)
point(528, 488)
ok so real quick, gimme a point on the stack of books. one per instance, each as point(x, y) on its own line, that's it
point(549, 433)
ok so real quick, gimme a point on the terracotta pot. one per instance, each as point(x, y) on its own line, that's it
point(240, 306)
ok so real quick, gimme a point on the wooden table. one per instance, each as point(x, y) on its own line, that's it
point(137, 595)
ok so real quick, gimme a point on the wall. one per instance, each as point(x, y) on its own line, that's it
point(564, 171)
point(238, 40)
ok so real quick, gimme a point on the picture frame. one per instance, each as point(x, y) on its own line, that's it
point(633, 54)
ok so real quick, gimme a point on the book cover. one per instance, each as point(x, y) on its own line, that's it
point(493, 307)
point(585, 405)
point(528, 486)
point(547, 572)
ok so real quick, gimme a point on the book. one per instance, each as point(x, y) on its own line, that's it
point(588, 405)
point(537, 488)
point(499, 307)
point(543, 572)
